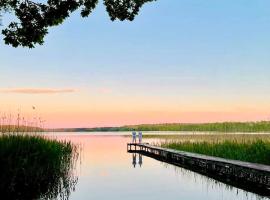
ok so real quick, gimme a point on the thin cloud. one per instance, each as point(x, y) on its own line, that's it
point(37, 90)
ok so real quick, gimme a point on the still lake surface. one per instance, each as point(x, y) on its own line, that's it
point(106, 171)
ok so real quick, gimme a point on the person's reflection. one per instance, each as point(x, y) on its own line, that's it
point(134, 160)
point(140, 160)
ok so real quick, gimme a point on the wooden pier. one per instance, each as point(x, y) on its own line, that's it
point(248, 176)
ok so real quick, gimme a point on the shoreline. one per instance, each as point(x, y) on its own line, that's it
point(155, 133)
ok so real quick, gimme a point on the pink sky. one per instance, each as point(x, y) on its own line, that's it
point(71, 108)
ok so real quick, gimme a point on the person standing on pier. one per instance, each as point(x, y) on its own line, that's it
point(140, 137)
point(133, 136)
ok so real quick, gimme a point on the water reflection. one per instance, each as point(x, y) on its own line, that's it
point(106, 166)
point(210, 185)
point(134, 160)
point(140, 160)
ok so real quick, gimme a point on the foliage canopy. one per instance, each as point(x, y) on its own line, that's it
point(35, 17)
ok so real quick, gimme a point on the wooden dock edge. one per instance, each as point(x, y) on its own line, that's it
point(244, 175)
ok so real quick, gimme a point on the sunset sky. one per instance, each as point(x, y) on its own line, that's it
point(178, 61)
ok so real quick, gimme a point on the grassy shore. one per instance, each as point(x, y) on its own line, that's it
point(35, 167)
point(256, 151)
point(263, 126)
point(210, 137)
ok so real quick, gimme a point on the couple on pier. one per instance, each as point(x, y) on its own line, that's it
point(134, 136)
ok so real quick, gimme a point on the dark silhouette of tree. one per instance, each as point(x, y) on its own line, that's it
point(34, 18)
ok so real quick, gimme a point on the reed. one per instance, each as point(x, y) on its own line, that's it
point(255, 150)
point(36, 167)
point(211, 137)
point(15, 123)
point(262, 126)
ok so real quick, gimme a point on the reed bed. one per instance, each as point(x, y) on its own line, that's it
point(14, 123)
point(250, 148)
point(35, 167)
point(217, 137)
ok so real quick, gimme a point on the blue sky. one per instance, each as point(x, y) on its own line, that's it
point(214, 54)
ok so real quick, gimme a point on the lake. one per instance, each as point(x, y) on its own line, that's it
point(106, 171)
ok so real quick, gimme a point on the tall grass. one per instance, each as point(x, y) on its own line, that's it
point(34, 167)
point(14, 123)
point(256, 151)
point(263, 126)
point(210, 137)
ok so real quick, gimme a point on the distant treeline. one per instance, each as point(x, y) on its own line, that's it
point(262, 126)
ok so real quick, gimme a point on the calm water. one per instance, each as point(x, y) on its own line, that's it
point(106, 171)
